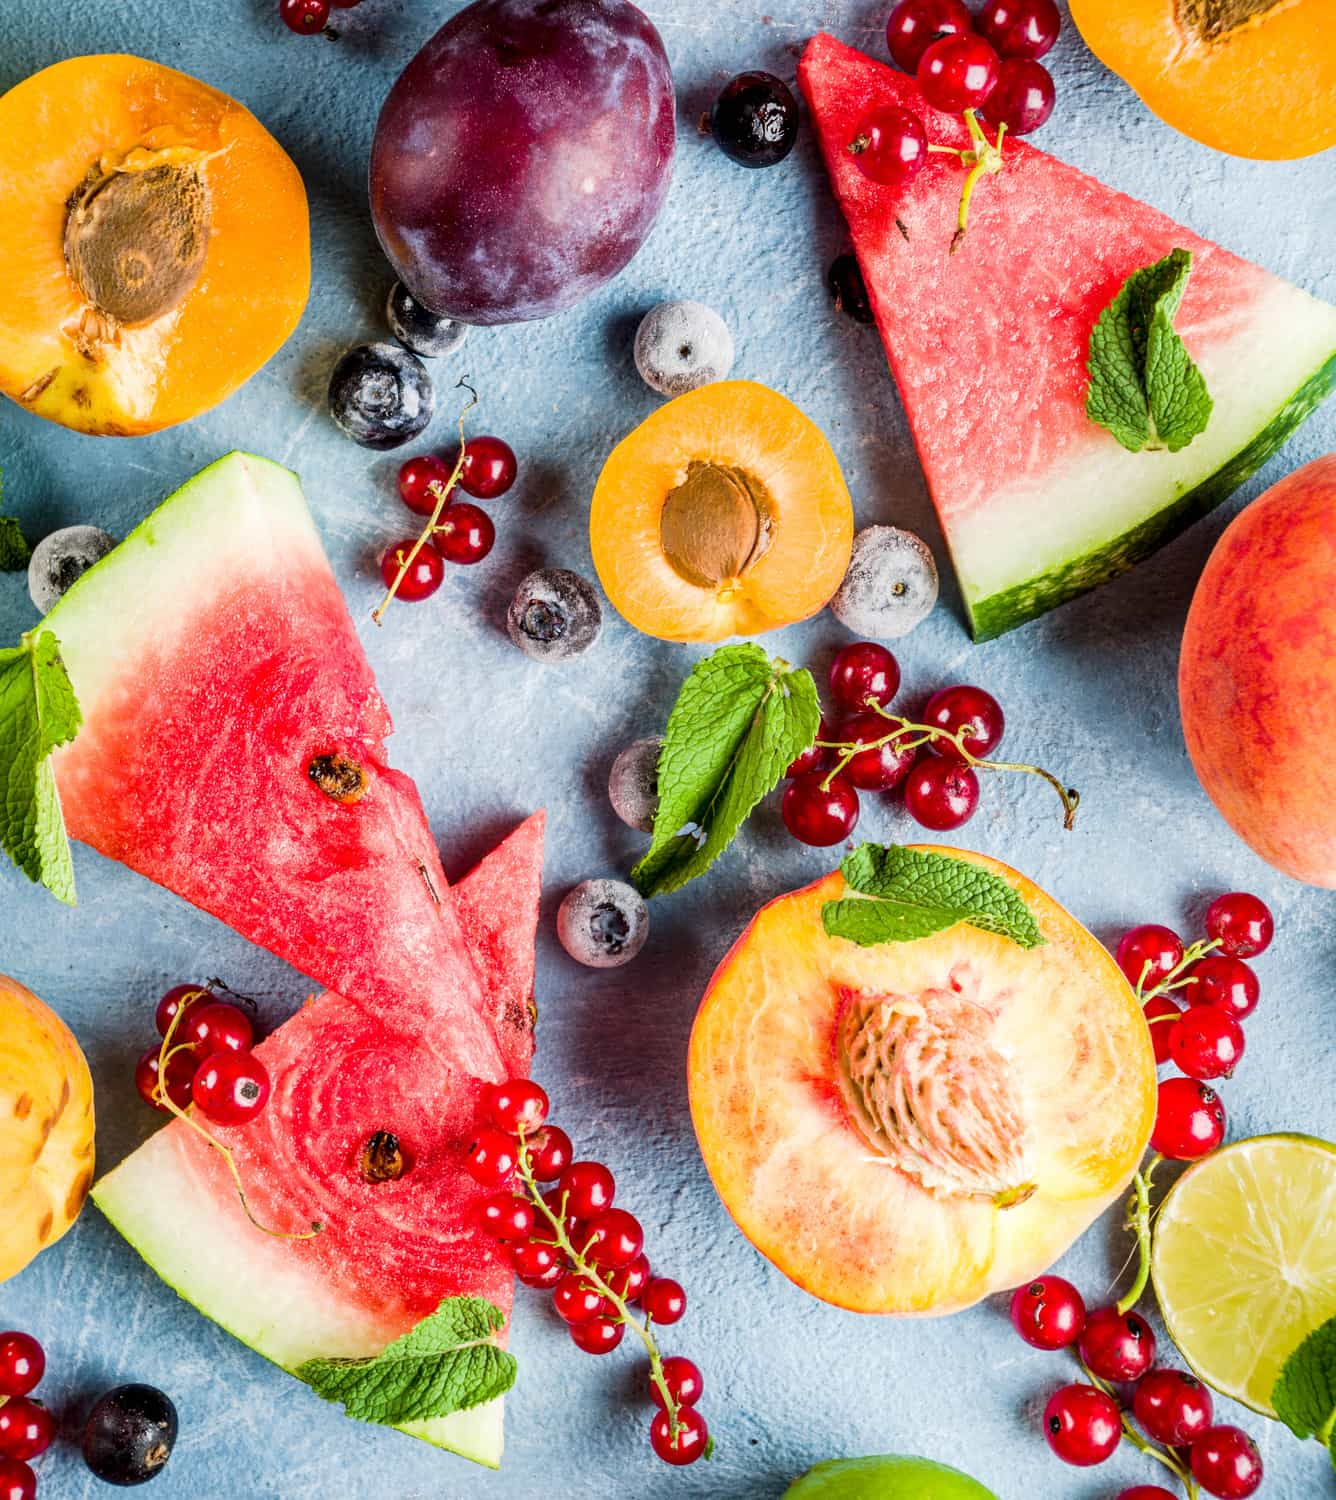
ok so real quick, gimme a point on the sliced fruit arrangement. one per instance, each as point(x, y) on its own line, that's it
point(907, 1125)
point(1045, 504)
point(724, 513)
point(156, 250)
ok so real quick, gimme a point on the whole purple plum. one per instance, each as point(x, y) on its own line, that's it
point(522, 155)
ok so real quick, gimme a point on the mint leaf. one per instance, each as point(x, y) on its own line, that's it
point(1144, 386)
point(739, 721)
point(38, 711)
point(1305, 1392)
point(448, 1362)
point(14, 550)
point(905, 894)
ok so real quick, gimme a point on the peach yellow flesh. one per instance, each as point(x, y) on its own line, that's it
point(154, 245)
point(910, 1127)
point(724, 513)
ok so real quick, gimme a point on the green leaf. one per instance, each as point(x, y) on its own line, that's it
point(739, 721)
point(1305, 1392)
point(38, 712)
point(14, 550)
point(1144, 386)
point(448, 1362)
point(905, 894)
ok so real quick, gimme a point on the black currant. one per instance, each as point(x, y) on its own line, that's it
point(431, 335)
point(755, 119)
point(846, 285)
point(129, 1434)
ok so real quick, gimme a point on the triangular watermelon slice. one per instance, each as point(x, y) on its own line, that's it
point(228, 708)
point(389, 1251)
point(989, 350)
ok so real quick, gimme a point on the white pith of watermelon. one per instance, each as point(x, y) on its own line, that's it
point(339, 1073)
point(989, 348)
point(214, 658)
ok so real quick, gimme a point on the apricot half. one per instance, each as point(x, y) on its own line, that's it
point(724, 513)
point(910, 1127)
point(154, 245)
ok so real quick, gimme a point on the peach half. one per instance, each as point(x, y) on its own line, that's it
point(910, 1127)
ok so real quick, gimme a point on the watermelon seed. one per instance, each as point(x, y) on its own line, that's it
point(339, 777)
point(429, 882)
point(383, 1158)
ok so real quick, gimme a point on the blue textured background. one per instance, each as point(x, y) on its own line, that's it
point(488, 735)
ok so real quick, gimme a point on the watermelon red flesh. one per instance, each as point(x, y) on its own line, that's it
point(989, 347)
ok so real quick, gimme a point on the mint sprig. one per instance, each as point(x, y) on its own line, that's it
point(447, 1363)
point(38, 712)
point(739, 721)
point(1305, 1393)
point(1144, 385)
point(904, 894)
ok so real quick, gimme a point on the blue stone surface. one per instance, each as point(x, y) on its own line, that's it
point(489, 735)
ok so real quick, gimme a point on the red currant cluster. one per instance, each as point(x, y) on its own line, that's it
point(307, 17)
point(570, 1240)
point(932, 763)
point(204, 1058)
point(457, 531)
point(27, 1428)
point(1173, 1411)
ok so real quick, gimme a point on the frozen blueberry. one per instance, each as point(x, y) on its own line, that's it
point(603, 923)
point(58, 562)
point(681, 346)
point(432, 335)
point(633, 783)
point(890, 587)
point(755, 119)
point(845, 283)
point(554, 615)
point(381, 395)
point(129, 1434)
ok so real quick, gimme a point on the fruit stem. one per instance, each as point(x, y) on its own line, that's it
point(1176, 978)
point(1141, 1444)
point(984, 160)
point(1139, 1220)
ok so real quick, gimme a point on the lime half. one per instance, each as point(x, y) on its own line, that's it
point(1244, 1260)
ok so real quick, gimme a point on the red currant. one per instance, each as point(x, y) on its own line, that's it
point(231, 1087)
point(817, 814)
point(1148, 954)
point(880, 767)
point(687, 1443)
point(597, 1335)
point(519, 1104)
point(26, 1428)
point(686, 1384)
point(1226, 1463)
point(1146, 1492)
point(958, 73)
point(549, 1153)
point(1189, 1120)
point(629, 1281)
point(489, 467)
point(1117, 1346)
point(969, 711)
point(1161, 1015)
point(588, 1187)
point(940, 794)
point(1206, 1043)
point(861, 672)
point(216, 1027)
point(1024, 96)
point(890, 146)
point(179, 997)
point(425, 573)
point(1241, 924)
point(577, 1300)
point(22, 1363)
point(1227, 982)
point(420, 482)
point(304, 16)
point(664, 1300)
point(1020, 28)
point(614, 1238)
point(814, 758)
point(1048, 1313)
point(537, 1264)
point(465, 534)
point(506, 1216)
point(181, 1068)
point(1083, 1426)
point(1172, 1407)
point(916, 24)
point(492, 1157)
point(17, 1480)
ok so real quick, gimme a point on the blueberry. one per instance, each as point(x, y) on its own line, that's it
point(554, 615)
point(633, 783)
point(755, 119)
point(845, 283)
point(61, 559)
point(432, 335)
point(891, 584)
point(381, 395)
point(681, 346)
point(129, 1434)
point(603, 923)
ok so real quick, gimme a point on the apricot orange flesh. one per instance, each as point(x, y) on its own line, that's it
point(910, 1127)
point(154, 245)
point(724, 513)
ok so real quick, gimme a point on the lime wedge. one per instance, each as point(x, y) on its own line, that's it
point(1244, 1260)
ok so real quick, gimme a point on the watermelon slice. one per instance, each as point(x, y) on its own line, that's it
point(389, 1252)
point(221, 682)
point(989, 349)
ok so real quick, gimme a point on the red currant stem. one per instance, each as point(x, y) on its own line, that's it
point(442, 493)
point(1177, 977)
point(983, 161)
point(1142, 1444)
point(1139, 1220)
point(165, 1053)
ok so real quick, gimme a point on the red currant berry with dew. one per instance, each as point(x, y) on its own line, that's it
point(1217, 979)
point(1149, 954)
point(1189, 1120)
point(1048, 1313)
point(1206, 1043)
point(1242, 924)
